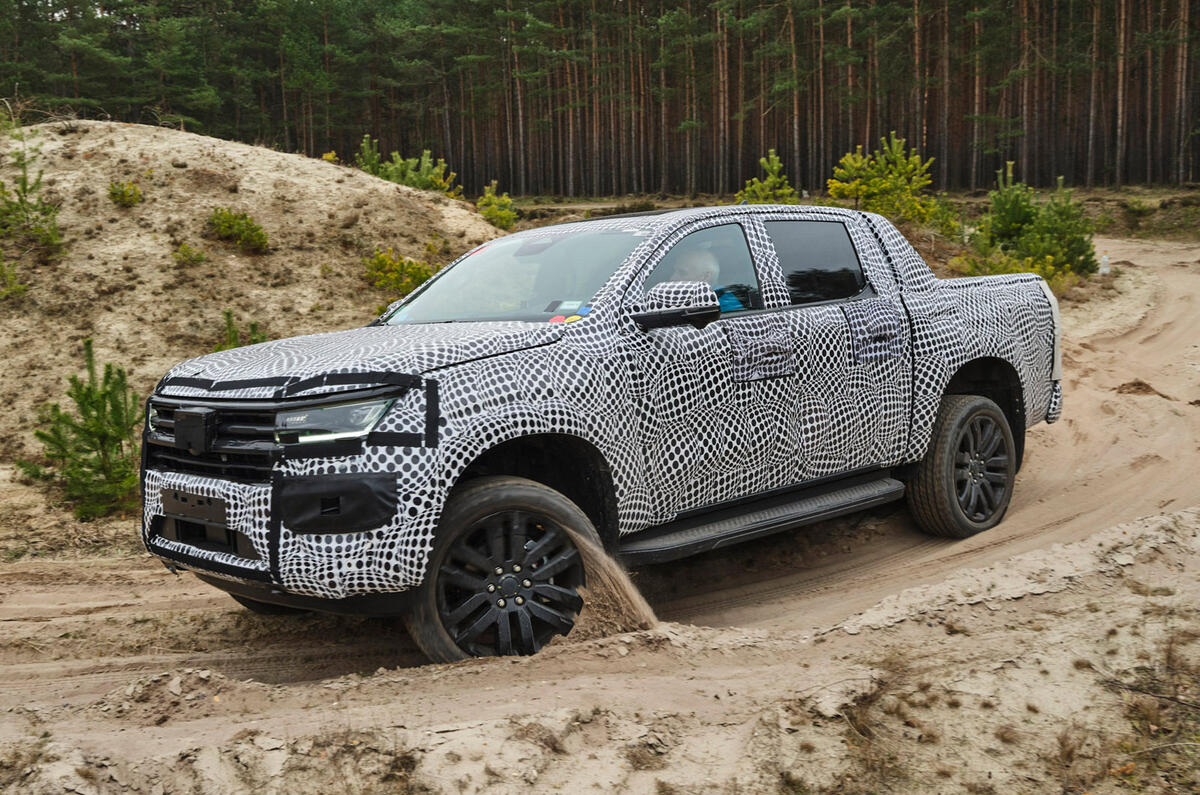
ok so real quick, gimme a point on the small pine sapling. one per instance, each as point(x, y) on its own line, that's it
point(24, 214)
point(890, 181)
point(497, 209)
point(388, 270)
point(233, 337)
point(125, 194)
point(11, 285)
point(238, 228)
point(94, 448)
point(186, 256)
point(775, 189)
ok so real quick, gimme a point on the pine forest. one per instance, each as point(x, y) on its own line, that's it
point(596, 97)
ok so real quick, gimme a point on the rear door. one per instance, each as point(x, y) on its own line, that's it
point(851, 343)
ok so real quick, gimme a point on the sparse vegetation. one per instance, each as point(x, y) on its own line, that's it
point(233, 338)
point(775, 189)
point(496, 208)
point(437, 250)
point(11, 285)
point(395, 273)
point(125, 194)
point(26, 217)
point(93, 449)
point(185, 256)
point(239, 229)
point(422, 173)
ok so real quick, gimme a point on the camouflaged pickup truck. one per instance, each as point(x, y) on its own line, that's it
point(661, 384)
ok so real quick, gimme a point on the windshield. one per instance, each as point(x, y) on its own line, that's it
point(549, 277)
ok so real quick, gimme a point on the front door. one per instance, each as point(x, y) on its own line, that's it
point(712, 402)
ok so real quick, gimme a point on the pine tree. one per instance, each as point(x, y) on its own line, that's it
point(94, 448)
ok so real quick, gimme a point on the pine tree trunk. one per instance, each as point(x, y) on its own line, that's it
point(1119, 173)
point(791, 21)
point(918, 109)
point(1182, 86)
point(1093, 109)
point(977, 101)
point(944, 126)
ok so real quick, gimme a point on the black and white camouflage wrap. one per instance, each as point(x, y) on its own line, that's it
point(684, 417)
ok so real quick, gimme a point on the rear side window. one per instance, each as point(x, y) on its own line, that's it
point(818, 260)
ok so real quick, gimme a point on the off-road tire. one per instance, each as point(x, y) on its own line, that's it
point(940, 495)
point(266, 608)
point(474, 508)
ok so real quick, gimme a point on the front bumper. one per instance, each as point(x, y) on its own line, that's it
point(313, 521)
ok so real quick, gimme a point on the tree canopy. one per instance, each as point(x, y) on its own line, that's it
point(602, 97)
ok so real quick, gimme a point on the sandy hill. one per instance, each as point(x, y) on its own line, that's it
point(118, 283)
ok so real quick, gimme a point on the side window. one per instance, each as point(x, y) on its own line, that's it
point(718, 255)
point(818, 260)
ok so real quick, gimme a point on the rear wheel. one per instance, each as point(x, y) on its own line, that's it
point(964, 484)
point(504, 574)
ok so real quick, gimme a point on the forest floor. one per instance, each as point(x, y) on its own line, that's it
point(1058, 652)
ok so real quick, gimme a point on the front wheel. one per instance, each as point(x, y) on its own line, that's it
point(964, 484)
point(504, 574)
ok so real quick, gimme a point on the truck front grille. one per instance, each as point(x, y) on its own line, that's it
point(243, 448)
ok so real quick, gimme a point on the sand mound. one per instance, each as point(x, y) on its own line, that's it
point(118, 283)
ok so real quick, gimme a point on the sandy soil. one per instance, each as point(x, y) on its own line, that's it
point(1057, 652)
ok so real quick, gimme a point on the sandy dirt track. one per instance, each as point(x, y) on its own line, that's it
point(117, 674)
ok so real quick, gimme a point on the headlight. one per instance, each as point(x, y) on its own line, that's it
point(328, 423)
point(152, 417)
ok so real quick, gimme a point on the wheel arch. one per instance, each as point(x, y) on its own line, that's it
point(569, 464)
point(997, 380)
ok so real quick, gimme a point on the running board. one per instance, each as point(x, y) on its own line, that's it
point(734, 525)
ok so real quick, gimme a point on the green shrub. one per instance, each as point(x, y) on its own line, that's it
point(999, 262)
point(238, 228)
point(94, 448)
point(125, 194)
point(775, 189)
point(233, 338)
point(186, 256)
point(423, 173)
point(947, 218)
point(10, 285)
point(1023, 228)
point(1135, 211)
point(437, 250)
point(24, 215)
point(397, 274)
point(497, 209)
point(890, 181)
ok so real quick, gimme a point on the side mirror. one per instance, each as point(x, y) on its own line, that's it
point(678, 304)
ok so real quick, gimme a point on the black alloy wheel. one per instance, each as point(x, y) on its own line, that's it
point(509, 585)
point(965, 482)
point(981, 470)
point(504, 574)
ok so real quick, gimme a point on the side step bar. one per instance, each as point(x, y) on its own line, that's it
point(734, 525)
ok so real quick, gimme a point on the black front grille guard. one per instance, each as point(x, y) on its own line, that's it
point(289, 387)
